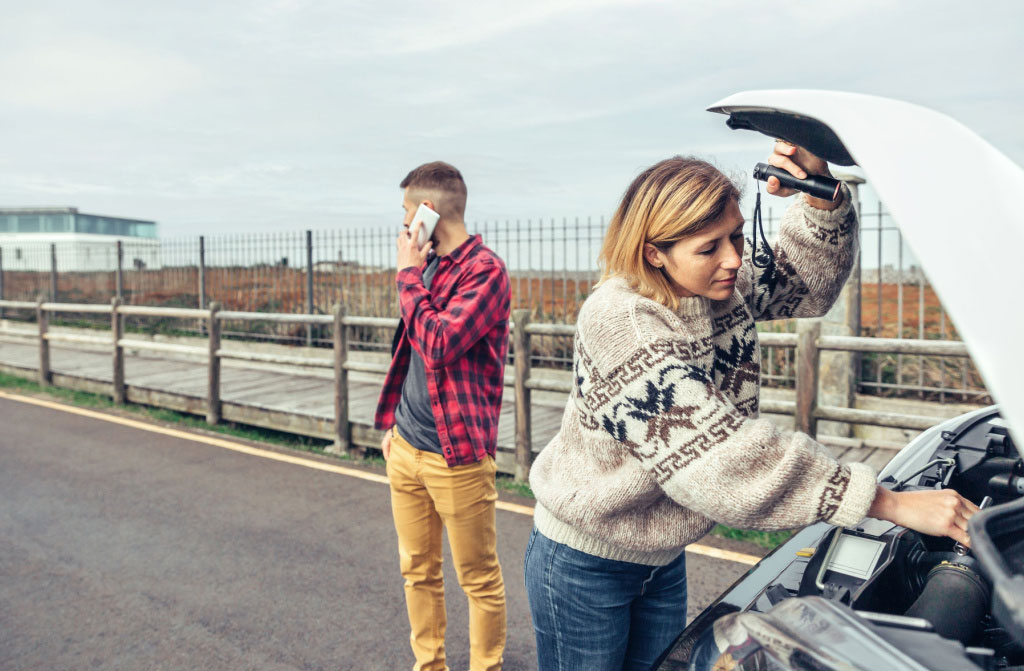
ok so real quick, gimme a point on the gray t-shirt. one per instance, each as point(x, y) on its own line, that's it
point(414, 417)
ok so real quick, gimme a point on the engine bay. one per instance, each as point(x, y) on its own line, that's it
point(894, 578)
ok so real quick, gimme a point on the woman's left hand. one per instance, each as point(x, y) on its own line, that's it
point(798, 162)
point(936, 512)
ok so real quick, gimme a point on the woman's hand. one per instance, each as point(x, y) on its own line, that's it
point(935, 512)
point(800, 163)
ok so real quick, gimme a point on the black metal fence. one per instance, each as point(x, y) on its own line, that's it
point(552, 263)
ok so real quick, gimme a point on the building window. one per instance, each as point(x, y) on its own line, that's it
point(56, 223)
point(28, 223)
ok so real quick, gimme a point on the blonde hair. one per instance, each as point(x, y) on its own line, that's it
point(671, 200)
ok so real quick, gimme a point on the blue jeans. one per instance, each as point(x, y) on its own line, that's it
point(594, 614)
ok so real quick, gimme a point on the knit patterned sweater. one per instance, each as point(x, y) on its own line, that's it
point(660, 437)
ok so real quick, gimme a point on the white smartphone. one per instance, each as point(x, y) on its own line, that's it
point(429, 219)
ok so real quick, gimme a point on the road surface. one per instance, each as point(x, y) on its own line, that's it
point(126, 548)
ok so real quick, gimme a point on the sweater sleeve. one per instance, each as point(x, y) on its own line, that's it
point(663, 407)
point(814, 254)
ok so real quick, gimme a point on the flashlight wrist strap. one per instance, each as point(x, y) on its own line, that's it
point(767, 258)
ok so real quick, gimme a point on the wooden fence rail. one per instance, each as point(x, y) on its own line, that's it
point(808, 343)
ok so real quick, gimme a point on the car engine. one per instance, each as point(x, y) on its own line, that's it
point(913, 593)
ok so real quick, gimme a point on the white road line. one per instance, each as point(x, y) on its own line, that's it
point(694, 548)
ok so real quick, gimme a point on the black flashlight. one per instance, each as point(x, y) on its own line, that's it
point(817, 186)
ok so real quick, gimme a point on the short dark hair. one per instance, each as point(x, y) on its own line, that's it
point(445, 181)
point(435, 176)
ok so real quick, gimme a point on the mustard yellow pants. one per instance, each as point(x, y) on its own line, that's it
point(426, 493)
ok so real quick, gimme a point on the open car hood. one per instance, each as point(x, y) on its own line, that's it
point(955, 197)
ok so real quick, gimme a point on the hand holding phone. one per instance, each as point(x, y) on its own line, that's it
point(429, 219)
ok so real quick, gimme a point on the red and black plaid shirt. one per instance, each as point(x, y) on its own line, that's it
point(460, 328)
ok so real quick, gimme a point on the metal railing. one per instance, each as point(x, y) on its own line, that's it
point(552, 265)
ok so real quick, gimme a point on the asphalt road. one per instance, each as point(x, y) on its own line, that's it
point(126, 549)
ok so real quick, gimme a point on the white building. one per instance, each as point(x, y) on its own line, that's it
point(82, 242)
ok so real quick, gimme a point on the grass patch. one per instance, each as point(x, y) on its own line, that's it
point(303, 443)
point(80, 398)
point(508, 484)
point(766, 539)
point(102, 401)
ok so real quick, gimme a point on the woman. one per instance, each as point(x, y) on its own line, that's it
point(660, 438)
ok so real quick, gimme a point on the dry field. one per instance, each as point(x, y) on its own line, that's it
point(277, 289)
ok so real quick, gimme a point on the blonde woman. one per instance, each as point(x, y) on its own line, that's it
point(661, 438)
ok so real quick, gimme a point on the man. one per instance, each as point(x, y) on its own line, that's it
point(439, 409)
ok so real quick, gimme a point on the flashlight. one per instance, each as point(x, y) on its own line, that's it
point(817, 186)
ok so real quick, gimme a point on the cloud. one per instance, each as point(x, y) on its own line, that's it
point(263, 114)
point(83, 73)
point(41, 184)
point(246, 177)
point(455, 24)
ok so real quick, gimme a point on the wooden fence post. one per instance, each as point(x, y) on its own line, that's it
point(117, 331)
point(44, 346)
point(342, 428)
point(213, 379)
point(807, 359)
point(521, 343)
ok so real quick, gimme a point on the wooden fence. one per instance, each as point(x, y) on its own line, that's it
point(808, 343)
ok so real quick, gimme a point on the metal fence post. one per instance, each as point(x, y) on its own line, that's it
point(202, 272)
point(119, 281)
point(807, 356)
point(117, 333)
point(1, 281)
point(213, 379)
point(309, 285)
point(44, 346)
point(53, 272)
point(524, 445)
point(342, 428)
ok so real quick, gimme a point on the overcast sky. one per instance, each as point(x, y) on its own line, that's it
point(247, 115)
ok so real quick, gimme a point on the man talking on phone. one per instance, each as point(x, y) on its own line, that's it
point(439, 409)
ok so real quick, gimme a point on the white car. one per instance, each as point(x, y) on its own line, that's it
point(879, 596)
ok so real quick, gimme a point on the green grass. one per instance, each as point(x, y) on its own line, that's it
point(305, 444)
point(506, 483)
point(767, 539)
point(101, 401)
point(80, 398)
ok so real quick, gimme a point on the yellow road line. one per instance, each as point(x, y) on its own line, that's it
point(718, 553)
point(198, 438)
point(694, 548)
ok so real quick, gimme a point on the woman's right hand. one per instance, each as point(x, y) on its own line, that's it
point(935, 512)
point(800, 163)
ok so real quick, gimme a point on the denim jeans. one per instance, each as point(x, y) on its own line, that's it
point(595, 614)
